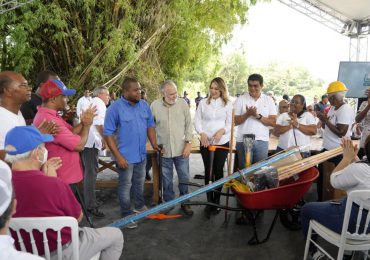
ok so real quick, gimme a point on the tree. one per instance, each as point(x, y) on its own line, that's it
point(235, 71)
point(89, 42)
point(290, 80)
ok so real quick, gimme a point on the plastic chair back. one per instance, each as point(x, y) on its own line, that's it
point(360, 198)
point(42, 224)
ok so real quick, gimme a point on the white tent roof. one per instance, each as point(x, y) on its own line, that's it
point(358, 10)
point(348, 17)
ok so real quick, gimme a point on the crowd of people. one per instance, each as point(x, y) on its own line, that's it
point(49, 157)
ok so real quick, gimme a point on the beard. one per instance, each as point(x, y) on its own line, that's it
point(171, 102)
point(133, 99)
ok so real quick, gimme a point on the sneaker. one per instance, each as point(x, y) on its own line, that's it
point(99, 203)
point(318, 255)
point(187, 210)
point(131, 225)
point(96, 213)
point(143, 208)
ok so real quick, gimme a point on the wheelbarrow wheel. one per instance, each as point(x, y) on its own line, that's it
point(291, 218)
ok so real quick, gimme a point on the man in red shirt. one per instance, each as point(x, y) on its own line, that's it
point(69, 141)
point(39, 195)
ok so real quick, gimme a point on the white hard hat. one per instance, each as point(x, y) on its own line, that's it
point(6, 189)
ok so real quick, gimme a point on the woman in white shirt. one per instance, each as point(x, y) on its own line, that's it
point(296, 127)
point(213, 123)
point(349, 175)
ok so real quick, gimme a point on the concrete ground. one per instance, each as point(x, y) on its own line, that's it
point(197, 237)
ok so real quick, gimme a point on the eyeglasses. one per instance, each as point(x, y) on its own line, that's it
point(294, 102)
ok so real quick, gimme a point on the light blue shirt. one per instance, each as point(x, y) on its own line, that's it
point(130, 123)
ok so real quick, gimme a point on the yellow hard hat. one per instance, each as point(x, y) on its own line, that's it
point(336, 86)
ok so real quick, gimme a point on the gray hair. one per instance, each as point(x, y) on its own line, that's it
point(100, 90)
point(338, 95)
point(163, 85)
point(18, 157)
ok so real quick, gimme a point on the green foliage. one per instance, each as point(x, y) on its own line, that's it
point(291, 80)
point(235, 71)
point(277, 78)
point(88, 42)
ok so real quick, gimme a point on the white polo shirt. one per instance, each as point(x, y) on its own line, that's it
point(209, 118)
point(287, 139)
point(345, 115)
point(265, 106)
point(82, 104)
point(94, 135)
point(9, 120)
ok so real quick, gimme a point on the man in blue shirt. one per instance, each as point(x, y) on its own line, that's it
point(131, 121)
point(322, 105)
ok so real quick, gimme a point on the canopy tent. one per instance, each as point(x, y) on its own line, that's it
point(350, 18)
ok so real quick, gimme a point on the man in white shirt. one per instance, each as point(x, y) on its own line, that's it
point(83, 102)
point(14, 91)
point(254, 113)
point(94, 144)
point(7, 209)
point(337, 124)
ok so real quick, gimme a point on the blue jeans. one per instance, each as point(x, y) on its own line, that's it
point(131, 181)
point(331, 215)
point(260, 152)
point(182, 169)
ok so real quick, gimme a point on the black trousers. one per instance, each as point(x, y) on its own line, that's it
point(218, 169)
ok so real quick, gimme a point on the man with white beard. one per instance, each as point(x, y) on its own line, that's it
point(174, 130)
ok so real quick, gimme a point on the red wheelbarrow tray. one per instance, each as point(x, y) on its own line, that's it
point(289, 192)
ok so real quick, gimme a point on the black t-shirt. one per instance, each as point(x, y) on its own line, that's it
point(29, 109)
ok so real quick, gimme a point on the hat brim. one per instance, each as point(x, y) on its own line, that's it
point(69, 92)
point(47, 138)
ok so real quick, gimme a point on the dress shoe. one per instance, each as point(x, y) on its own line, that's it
point(96, 213)
point(187, 210)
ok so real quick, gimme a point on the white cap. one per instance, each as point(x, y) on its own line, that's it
point(6, 189)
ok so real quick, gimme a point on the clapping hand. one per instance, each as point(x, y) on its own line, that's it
point(48, 127)
point(322, 116)
point(87, 116)
point(367, 93)
point(251, 111)
point(293, 120)
point(51, 166)
point(349, 150)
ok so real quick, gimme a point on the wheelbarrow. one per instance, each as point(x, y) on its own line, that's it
point(283, 198)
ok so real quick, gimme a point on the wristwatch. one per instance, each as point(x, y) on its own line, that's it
point(188, 142)
point(259, 117)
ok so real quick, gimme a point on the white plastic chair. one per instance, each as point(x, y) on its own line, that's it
point(42, 224)
point(357, 241)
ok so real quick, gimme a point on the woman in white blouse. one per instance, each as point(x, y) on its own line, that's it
point(296, 127)
point(213, 123)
